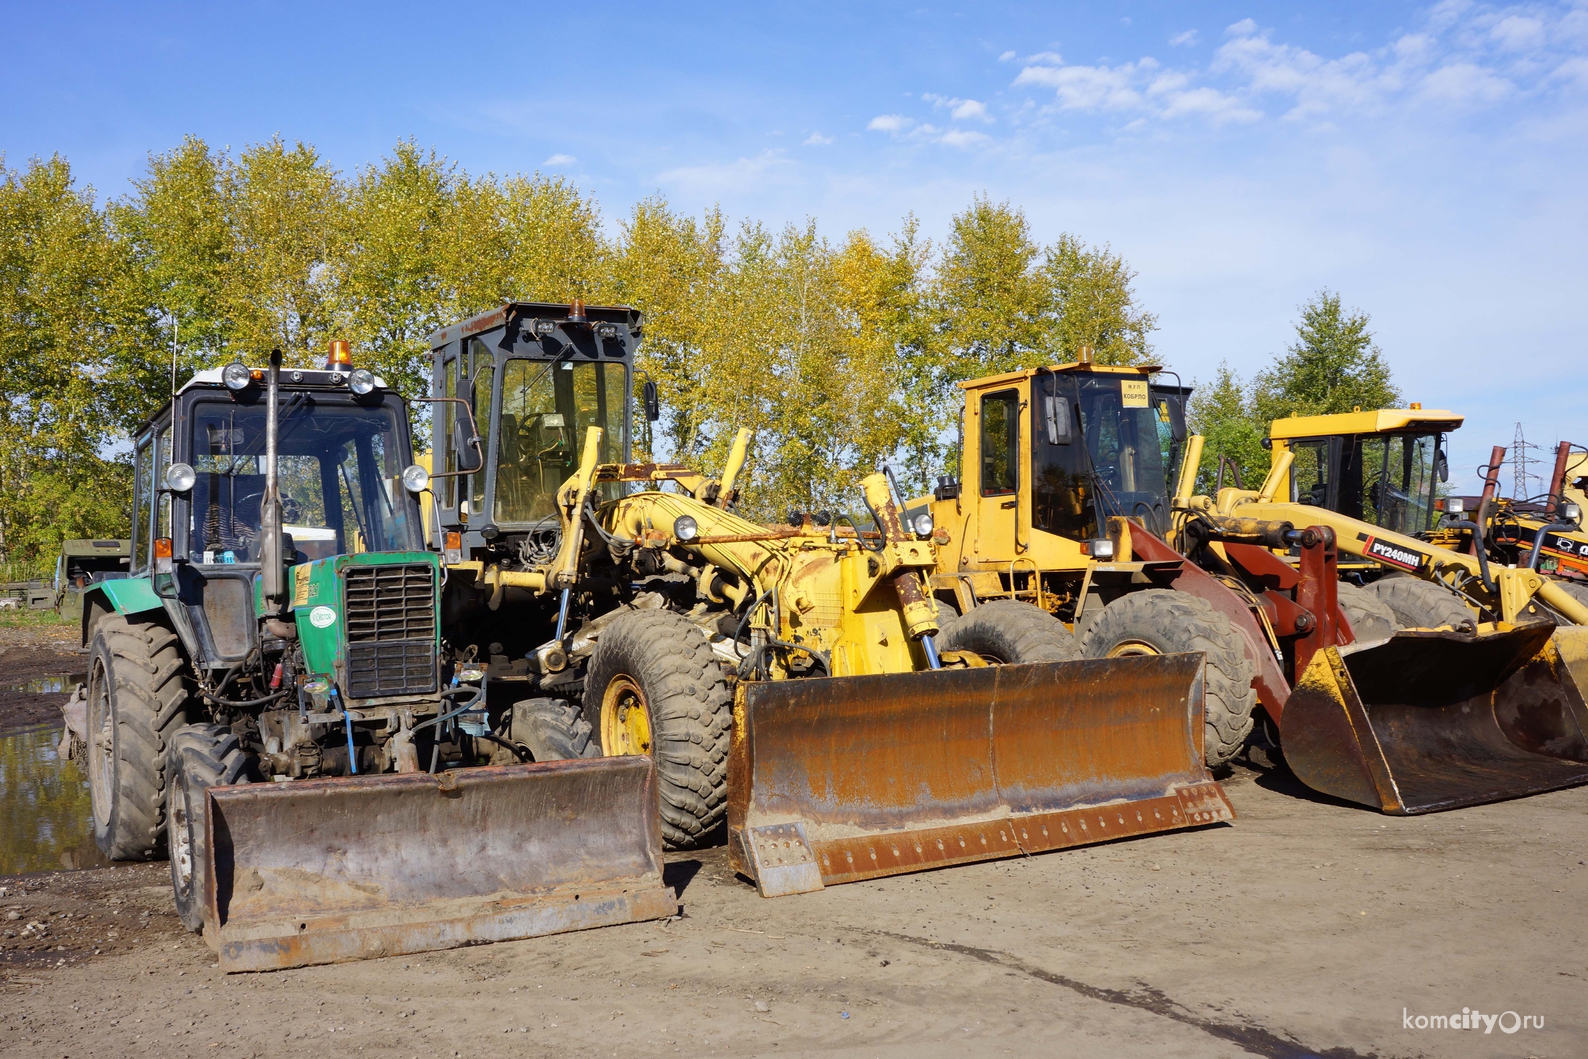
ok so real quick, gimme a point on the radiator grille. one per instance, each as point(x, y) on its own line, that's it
point(391, 630)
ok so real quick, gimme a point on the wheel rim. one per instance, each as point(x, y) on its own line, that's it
point(181, 834)
point(101, 742)
point(1126, 648)
point(625, 719)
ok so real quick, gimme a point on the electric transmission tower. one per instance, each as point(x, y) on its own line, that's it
point(1520, 462)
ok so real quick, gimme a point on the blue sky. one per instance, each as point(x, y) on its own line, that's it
point(1427, 161)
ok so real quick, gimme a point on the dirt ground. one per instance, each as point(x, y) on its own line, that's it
point(29, 654)
point(1304, 929)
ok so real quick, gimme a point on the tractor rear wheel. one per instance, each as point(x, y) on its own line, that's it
point(654, 687)
point(1419, 604)
point(137, 692)
point(1008, 632)
point(1370, 617)
point(200, 756)
point(1161, 621)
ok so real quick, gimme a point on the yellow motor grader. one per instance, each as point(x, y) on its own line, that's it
point(1065, 501)
point(795, 685)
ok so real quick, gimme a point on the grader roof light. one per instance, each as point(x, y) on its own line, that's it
point(236, 376)
point(361, 381)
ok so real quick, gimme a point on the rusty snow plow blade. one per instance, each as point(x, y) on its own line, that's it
point(838, 780)
point(320, 871)
point(1426, 721)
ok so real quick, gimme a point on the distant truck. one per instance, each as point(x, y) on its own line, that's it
point(83, 563)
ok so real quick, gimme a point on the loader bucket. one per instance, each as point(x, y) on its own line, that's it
point(849, 778)
point(1426, 721)
point(326, 870)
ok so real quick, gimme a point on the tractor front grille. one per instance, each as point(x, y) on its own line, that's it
point(391, 630)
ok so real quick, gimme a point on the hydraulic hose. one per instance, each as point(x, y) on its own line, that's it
point(1482, 550)
point(1538, 540)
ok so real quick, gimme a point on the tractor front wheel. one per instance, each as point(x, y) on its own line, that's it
point(654, 687)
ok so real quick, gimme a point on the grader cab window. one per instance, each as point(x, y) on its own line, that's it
point(1000, 443)
point(547, 409)
point(1384, 480)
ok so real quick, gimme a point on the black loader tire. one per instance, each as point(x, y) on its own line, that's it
point(1008, 631)
point(1419, 604)
point(137, 695)
point(552, 730)
point(1370, 617)
point(200, 756)
point(1162, 621)
point(666, 659)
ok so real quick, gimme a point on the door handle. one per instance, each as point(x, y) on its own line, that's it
point(1007, 504)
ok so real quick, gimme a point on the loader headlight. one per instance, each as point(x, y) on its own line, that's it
point(1455, 507)
point(1102, 549)
point(362, 381)
point(1570, 513)
point(179, 477)
point(236, 376)
point(415, 478)
point(922, 524)
point(685, 528)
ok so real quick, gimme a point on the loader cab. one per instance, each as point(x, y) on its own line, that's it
point(340, 465)
point(536, 376)
point(1051, 454)
point(1386, 468)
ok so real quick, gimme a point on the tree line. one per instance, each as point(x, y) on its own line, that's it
point(837, 351)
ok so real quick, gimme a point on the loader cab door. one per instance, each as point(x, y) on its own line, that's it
point(998, 470)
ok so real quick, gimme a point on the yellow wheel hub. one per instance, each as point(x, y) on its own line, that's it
point(1131, 647)
point(625, 719)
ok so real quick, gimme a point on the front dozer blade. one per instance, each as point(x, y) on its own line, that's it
point(326, 870)
point(849, 778)
point(1425, 721)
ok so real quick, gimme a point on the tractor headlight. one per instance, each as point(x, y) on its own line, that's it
point(415, 478)
point(685, 528)
point(236, 376)
point(362, 381)
point(179, 477)
point(922, 524)
point(1570, 513)
point(1455, 507)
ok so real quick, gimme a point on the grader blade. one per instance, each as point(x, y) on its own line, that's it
point(1426, 721)
point(838, 780)
point(322, 871)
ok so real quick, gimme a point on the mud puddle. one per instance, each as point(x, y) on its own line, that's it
point(44, 803)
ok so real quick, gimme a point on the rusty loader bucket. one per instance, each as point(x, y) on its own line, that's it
point(849, 778)
point(1426, 721)
point(325, 870)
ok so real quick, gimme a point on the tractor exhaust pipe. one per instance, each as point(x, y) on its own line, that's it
point(270, 506)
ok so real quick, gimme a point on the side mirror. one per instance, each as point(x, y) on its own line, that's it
point(1176, 410)
point(466, 446)
point(1056, 419)
point(1441, 466)
point(653, 404)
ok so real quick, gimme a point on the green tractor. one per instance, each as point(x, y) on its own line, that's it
point(269, 683)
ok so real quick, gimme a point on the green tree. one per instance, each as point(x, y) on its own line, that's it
point(1333, 366)
point(1094, 305)
point(1222, 414)
point(993, 300)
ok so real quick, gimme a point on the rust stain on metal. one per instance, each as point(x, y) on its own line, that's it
point(897, 773)
point(321, 871)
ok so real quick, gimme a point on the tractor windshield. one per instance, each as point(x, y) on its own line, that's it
point(339, 472)
point(1103, 445)
point(547, 407)
point(1385, 480)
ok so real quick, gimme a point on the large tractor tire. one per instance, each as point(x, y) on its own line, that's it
point(654, 687)
point(200, 756)
point(1370, 617)
point(1162, 621)
point(552, 730)
point(1419, 604)
point(1007, 631)
point(137, 694)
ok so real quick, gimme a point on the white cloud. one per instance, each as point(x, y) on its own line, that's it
point(1007, 56)
point(962, 138)
point(1210, 103)
point(889, 123)
point(1241, 28)
point(971, 108)
point(816, 139)
point(1465, 83)
point(1046, 57)
point(739, 175)
point(559, 160)
point(1186, 38)
point(1518, 33)
point(1087, 87)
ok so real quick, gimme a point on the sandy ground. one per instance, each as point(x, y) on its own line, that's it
point(1306, 928)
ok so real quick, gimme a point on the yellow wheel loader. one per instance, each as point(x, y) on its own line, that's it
point(793, 684)
point(1065, 501)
